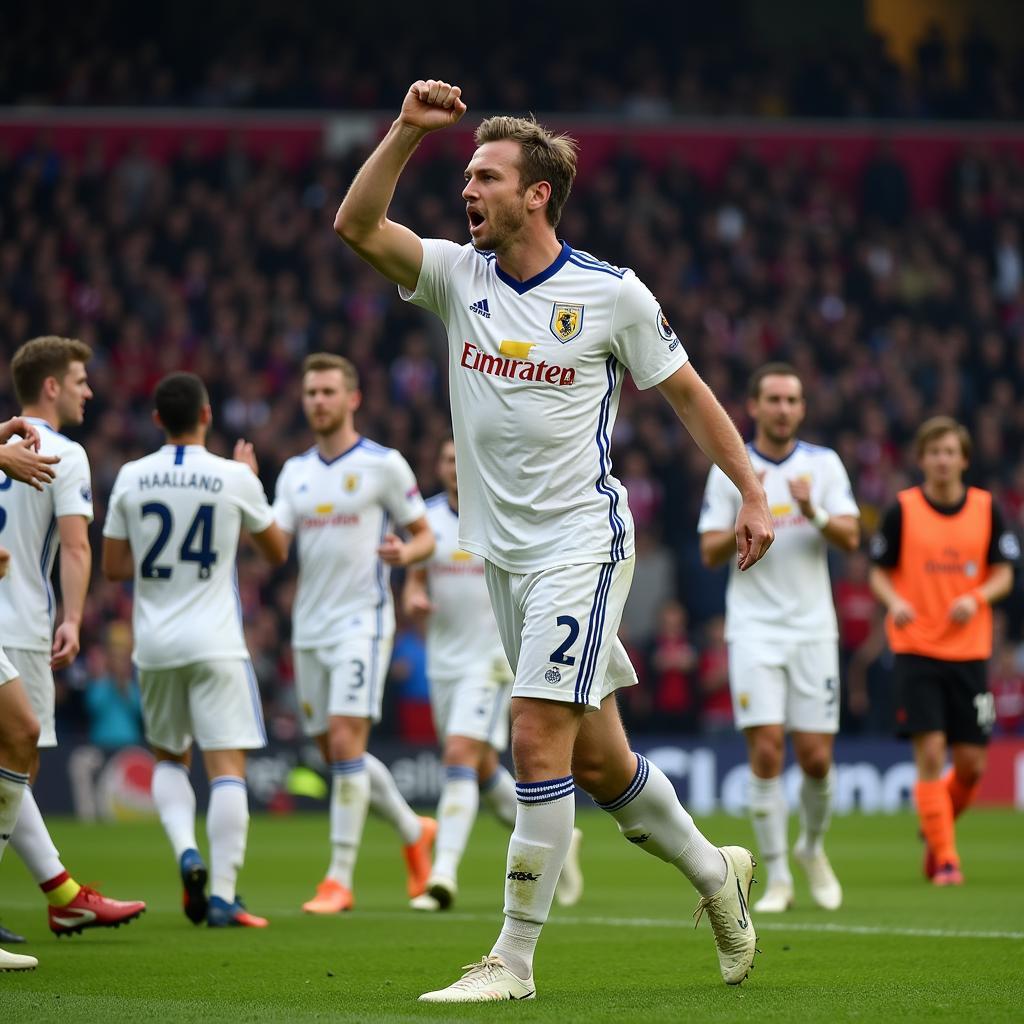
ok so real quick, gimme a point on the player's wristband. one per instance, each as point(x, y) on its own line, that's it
point(821, 518)
point(979, 597)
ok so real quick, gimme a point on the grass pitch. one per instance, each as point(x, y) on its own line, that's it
point(898, 949)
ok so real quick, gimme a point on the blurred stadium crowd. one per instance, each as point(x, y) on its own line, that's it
point(228, 266)
point(668, 60)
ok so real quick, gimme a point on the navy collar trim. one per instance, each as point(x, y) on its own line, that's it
point(768, 458)
point(522, 287)
point(347, 451)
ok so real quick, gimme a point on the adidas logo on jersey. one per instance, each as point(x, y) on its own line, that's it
point(480, 308)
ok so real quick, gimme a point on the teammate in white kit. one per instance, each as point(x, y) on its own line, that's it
point(172, 527)
point(52, 386)
point(781, 629)
point(470, 688)
point(343, 499)
point(539, 334)
point(19, 727)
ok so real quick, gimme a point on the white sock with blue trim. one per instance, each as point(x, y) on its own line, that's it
point(499, 793)
point(13, 787)
point(227, 828)
point(350, 800)
point(456, 812)
point(387, 801)
point(536, 853)
point(175, 801)
point(651, 817)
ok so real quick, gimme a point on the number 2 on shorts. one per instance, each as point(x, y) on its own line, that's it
point(558, 656)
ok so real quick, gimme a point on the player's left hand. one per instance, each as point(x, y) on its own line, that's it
point(394, 551)
point(246, 454)
point(23, 428)
point(800, 490)
point(5, 562)
point(754, 530)
point(65, 645)
point(963, 609)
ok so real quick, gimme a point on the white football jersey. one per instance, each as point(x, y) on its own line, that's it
point(28, 529)
point(462, 634)
point(788, 594)
point(181, 510)
point(339, 511)
point(535, 369)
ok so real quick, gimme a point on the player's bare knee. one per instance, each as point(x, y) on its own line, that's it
point(346, 738)
point(463, 751)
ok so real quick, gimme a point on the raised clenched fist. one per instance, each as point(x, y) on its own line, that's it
point(430, 105)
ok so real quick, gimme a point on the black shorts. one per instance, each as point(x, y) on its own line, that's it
point(933, 695)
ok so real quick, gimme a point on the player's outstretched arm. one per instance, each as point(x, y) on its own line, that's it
point(361, 221)
point(420, 546)
point(116, 561)
point(416, 601)
point(21, 460)
point(717, 547)
point(709, 425)
point(75, 570)
point(901, 610)
point(272, 543)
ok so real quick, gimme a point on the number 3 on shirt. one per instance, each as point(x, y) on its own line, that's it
point(200, 531)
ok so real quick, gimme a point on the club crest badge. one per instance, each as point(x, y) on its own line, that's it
point(566, 320)
point(351, 482)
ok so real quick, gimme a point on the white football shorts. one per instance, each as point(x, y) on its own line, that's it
point(791, 684)
point(345, 679)
point(474, 705)
point(558, 627)
point(7, 670)
point(37, 678)
point(215, 702)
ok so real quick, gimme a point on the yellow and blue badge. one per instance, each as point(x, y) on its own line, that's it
point(351, 482)
point(566, 320)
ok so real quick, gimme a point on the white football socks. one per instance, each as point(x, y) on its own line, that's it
point(386, 800)
point(815, 811)
point(350, 800)
point(227, 828)
point(456, 812)
point(32, 843)
point(536, 853)
point(13, 787)
point(175, 802)
point(499, 793)
point(651, 817)
point(769, 815)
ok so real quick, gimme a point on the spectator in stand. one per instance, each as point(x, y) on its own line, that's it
point(713, 670)
point(112, 697)
point(857, 613)
point(1006, 684)
point(672, 661)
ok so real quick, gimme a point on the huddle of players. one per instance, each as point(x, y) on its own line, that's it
point(173, 527)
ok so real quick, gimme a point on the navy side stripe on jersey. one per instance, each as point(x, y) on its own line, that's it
point(618, 527)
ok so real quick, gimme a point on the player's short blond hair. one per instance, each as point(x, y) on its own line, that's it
point(318, 361)
point(49, 356)
point(939, 426)
point(545, 156)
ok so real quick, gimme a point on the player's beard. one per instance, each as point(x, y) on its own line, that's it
point(504, 223)
point(325, 425)
point(777, 436)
